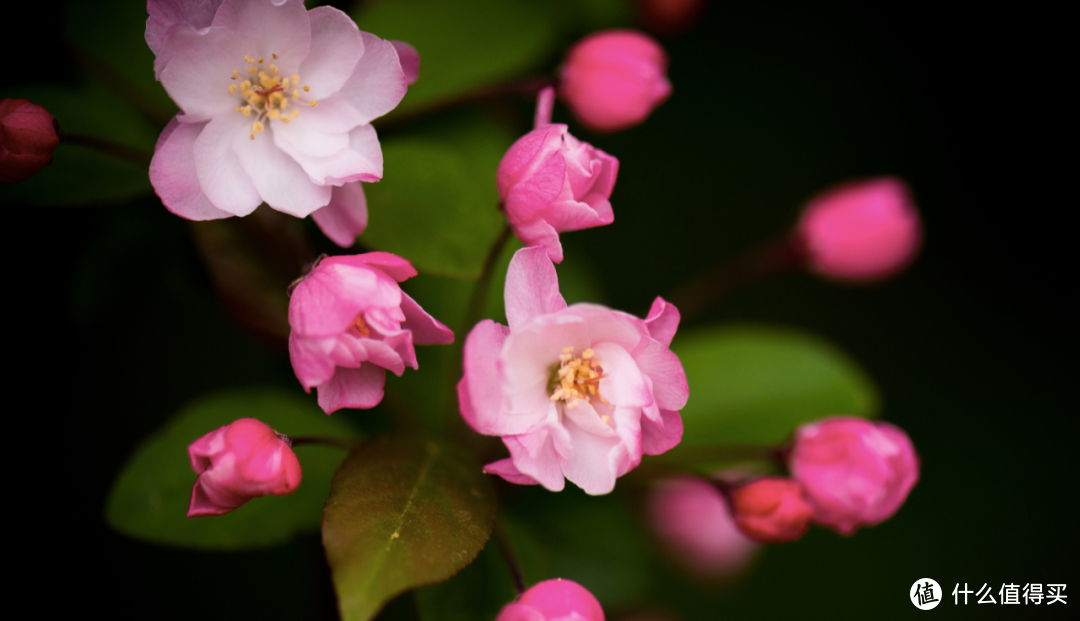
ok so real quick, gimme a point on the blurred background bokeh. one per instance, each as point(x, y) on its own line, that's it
point(116, 324)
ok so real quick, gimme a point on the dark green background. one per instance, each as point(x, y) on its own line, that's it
point(971, 347)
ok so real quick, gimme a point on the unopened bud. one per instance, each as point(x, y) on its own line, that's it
point(28, 137)
point(771, 510)
point(554, 600)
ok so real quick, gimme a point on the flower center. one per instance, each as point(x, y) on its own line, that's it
point(576, 377)
point(361, 326)
point(266, 94)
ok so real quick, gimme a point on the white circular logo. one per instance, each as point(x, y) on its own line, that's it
point(925, 594)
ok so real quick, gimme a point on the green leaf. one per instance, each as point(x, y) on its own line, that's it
point(79, 174)
point(149, 499)
point(463, 45)
point(437, 204)
point(754, 385)
point(403, 512)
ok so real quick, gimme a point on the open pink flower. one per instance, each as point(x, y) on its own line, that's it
point(554, 600)
point(276, 106)
point(351, 322)
point(240, 461)
point(551, 182)
point(856, 472)
point(576, 392)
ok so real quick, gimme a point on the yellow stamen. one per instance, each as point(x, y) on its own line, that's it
point(295, 78)
point(313, 103)
point(246, 111)
point(274, 56)
point(294, 114)
point(306, 88)
point(296, 95)
point(252, 70)
point(232, 89)
point(361, 326)
point(235, 74)
point(273, 114)
point(248, 59)
point(260, 60)
point(285, 120)
point(273, 68)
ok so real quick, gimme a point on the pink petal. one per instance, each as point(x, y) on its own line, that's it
point(669, 385)
point(378, 83)
point(526, 364)
point(622, 383)
point(571, 215)
point(522, 157)
point(507, 470)
point(426, 330)
point(345, 217)
point(390, 264)
point(202, 505)
point(280, 181)
point(594, 462)
point(172, 173)
point(532, 287)
point(660, 438)
point(662, 321)
point(275, 27)
point(608, 326)
point(353, 388)
point(359, 160)
point(480, 390)
point(541, 463)
point(164, 14)
point(409, 59)
point(195, 68)
point(537, 232)
point(537, 190)
point(223, 180)
point(336, 47)
point(327, 302)
point(545, 102)
point(310, 362)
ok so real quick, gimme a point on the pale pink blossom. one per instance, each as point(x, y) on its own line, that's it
point(691, 518)
point(28, 138)
point(861, 231)
point(771, 509)
point(576, 392)
point(276, 104)
point(551, 182)
point(240, 461)
point(554, 600)
point(856, 472)
point(614, 79)
point(351, 322)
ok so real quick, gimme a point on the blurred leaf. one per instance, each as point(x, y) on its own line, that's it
point(478, 592)
point(437, 204)
point(79, 174)
point(403, 512)
point(107, 37)
point(754, 385)
point(463, 45)
point(149, 499)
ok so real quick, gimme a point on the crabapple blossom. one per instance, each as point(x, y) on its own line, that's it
point(554, 600)
point(614, 79)
point(551, 182)
point(576, 392)
point(276, 104)
point(28, 137)
point(856, 472)
point(691, 518)
point(351, 322)
point(240, 461)
point(861, 231)
point(771, 509)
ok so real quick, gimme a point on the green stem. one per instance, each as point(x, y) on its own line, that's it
point(344, 443)
point(507, 548)
point(122, 151)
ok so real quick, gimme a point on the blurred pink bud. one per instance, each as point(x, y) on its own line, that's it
point(351, 322)
point(614, 79)
point(240, 461)
point(692, 519)
point(855, 472)
point(28, 137)
point(861, 231)
point(669, 17)
point(550, 182)
point(409, 59)
point(554, 600)
point(771, 510)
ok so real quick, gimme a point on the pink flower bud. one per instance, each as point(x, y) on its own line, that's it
point(614, 79)
point(550, 182)
point(240, 461)
point(554, 600)
point(771, 510)
point(28, 137)
point(855, 472)
point(861, 231)
point(693, 521)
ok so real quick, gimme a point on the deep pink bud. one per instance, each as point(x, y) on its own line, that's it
point(771, 510)
point(861, 231)
point(240, 461)
point(855, 472)
point(28, 137)
point(614, 79)
point(554, 600)
point(550, 182)
point(693, 521)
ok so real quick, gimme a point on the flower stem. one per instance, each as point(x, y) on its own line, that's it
point(122, 151)
point(345, 443)
point(507, 548)
point(701, 291)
